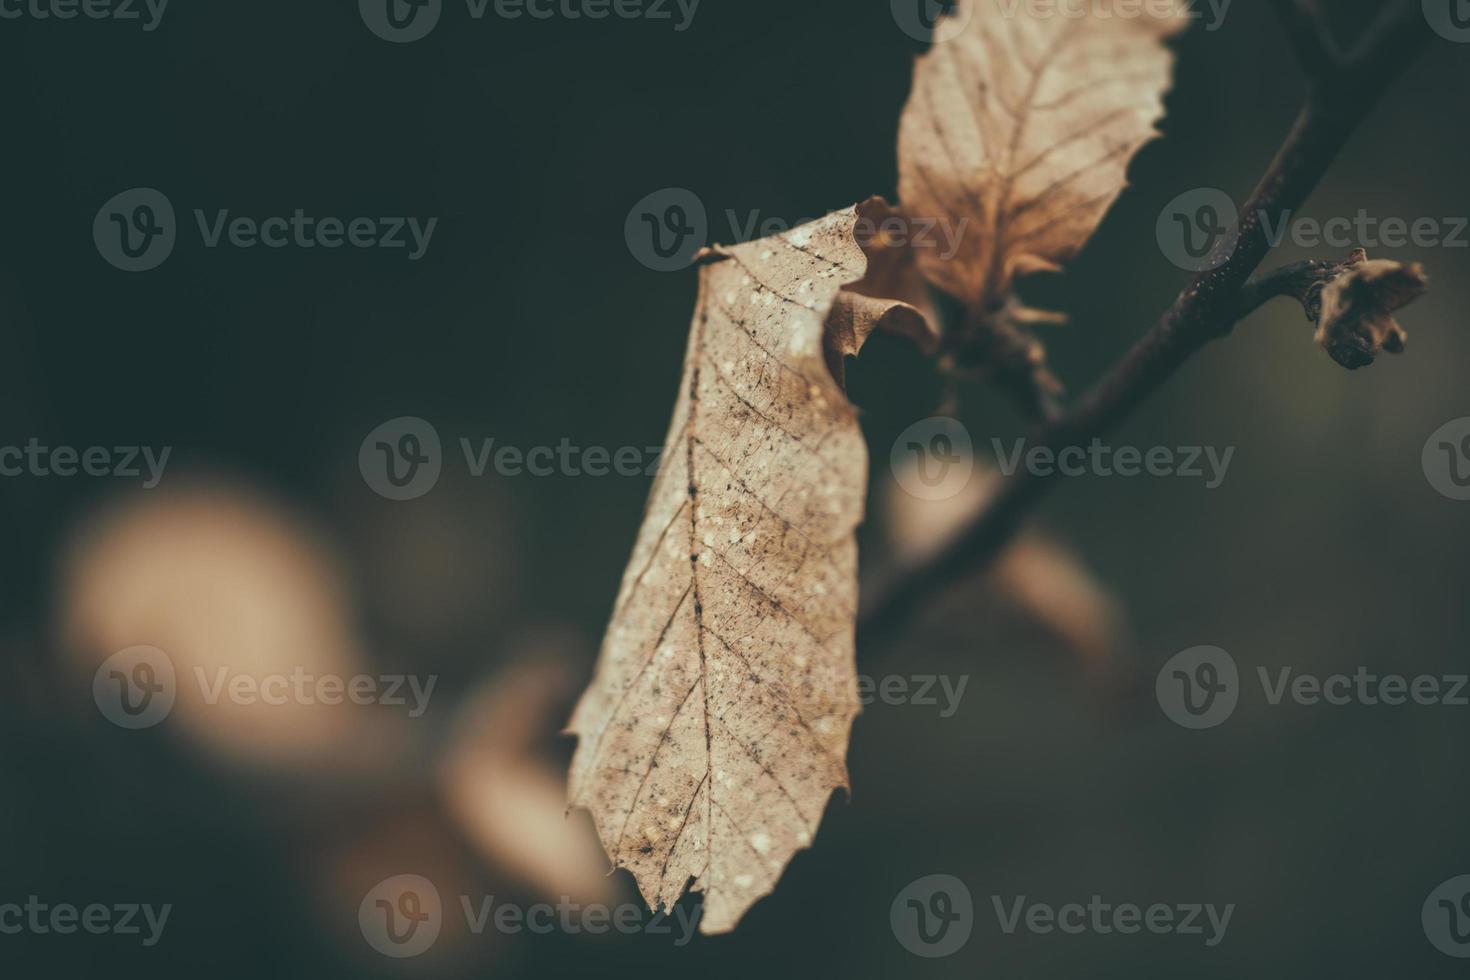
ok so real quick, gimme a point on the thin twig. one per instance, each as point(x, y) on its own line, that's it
point(1207, 309)
point(1302, 281)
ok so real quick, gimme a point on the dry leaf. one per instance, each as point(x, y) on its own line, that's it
point(1023, 125)
point(891, 296)
point(227, 583)
point(716, 727)
point(1355, 320)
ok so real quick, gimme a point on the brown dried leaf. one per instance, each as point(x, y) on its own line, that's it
point(1023, 126)
point(1355, 322)
point(892, 296)
point(222, 578)
point(716, 727)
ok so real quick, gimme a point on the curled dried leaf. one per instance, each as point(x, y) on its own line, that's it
point(892, 296)
point(1355, 320)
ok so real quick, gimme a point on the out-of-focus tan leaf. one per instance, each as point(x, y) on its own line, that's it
point(1355, 321)
point(1039, 577)
point(509, 799)
point(1023, 125)
point(716, 727)
point(227, 583)
point(1047, 582)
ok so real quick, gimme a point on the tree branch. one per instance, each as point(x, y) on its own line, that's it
point(1207, 309)
point(1302, 281)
